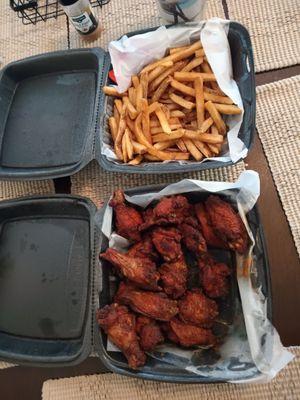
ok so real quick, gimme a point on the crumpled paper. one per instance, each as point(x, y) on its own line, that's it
point(130, 55)
point(252, 350)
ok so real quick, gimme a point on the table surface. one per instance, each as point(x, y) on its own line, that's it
point(26, 382)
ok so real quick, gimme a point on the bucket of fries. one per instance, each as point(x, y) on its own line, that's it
point(184, 99)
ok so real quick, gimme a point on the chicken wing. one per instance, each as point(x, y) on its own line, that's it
point(197, 309)
point(127, 219)
point(173, 276)
point(141, 271)
point(167, 243)
point(210, 237)
point(192, 236)
point(149, 332)
point(188, 335)
point(143, 249)
point(154, 305)
point(169, 210)
point(119, 324)
point(227, 224)
point(214, 277)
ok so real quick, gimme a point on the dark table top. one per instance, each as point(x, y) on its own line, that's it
point(26, 382)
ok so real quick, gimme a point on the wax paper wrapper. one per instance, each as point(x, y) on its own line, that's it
point(251, 350)
point(130, 55)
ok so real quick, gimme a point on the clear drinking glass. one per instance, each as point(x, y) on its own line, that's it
point(176, 11)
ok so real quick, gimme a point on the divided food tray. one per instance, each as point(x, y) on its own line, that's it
point(51, 283)
point(54, 116)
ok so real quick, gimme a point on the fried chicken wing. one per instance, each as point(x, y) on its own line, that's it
point(149, 332)
point(227, 224)
point(192, 236)
point(173, 276)
point(141, 271)
point(119, 324)
point(210, 237)
point(167, 242)
point(197, 309)
point(169, 210)
point(143, 249)
point(154, 305)
point(188, 335)
point(214, 277)
point(127, 219)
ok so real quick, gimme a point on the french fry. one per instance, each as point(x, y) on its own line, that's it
point(158, 129)
point(166, 111)
point(119, 105)
point(176, 49)
point(214, 130)
point(200, 53)
point(198, 84)
point(227, 109)
point(113, 126)
point(153, 107)
point(177, 114)
point(169, 71)
point(162, 137)
point(139, 96)
point(161, 89)
point(206, 125)
point(171, 107)
point(150, 157)
point(124, 149)
point(203, 137)
point(217, 99)
point(182, 88)
point(193, 149)
point(132, 96)
point(135, 81)
point(164, 145)
point(144, 83)
point(203, 148)
point(181, 145)
point(193, 64)
point(154, 123)
point(111, 91)
point(163, 120)
point(214, 113)
point(206, 68)
point(214, 148)
point(128, 144)
point(129, 123)
point(182, 102)
point(120, 133)
point(145, 120)
point(155, 73)
point(212, 91)
point(136, 161)
point(167, 64)
point(191, 76)
point(130, 107)
point(116, 115)
point(138, 148)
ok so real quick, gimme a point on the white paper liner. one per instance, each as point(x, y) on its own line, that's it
point(130, 55)
point(246, 350)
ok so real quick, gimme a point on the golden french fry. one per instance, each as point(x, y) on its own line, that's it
point(198, 84)
point(120, 134)
point(129, 123)
point(182, 102)
point(136, 161)
point(135, 81)
point(155, 73)
point(193, 149)
point(183, 88)
point(162, 137)
point(119, 105)
point(200, 53)
point(161, 89)
point(116, 115)
point(176, 49)
point(154, 123)
point(128, 144)
point(227, 109)
point(212, 91)
point(177, 114)
point(163, 120)
point(193, 64)
point(217, 99)
point(146, 120)
point(191, 76)
point(158, 129)
point(111, 91)
point(113, 127)
point(132, 96)
point(153, 107)
point(203, 148)
point(214, 148)
point(139, 96)
point(138, 148)
point(164, 145)
point(206, 125)
point(216, 116)
point(150, 157)
point(169, 71)
point(214, 130)
point(167, 64)
point(181, 145)
point(124, 149)
point(171, 107)
point(203, 137)
point(144, 82)
point(130, 107)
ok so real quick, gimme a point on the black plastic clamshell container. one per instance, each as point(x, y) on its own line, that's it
point(53, 114)
point(51, 283)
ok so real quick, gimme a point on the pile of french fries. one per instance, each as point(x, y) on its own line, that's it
point(173, 110)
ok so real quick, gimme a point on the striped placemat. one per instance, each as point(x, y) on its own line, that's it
point(122, 16)
point(286, 386)
point(278, 125)
point(274, 30)
point(98, 185)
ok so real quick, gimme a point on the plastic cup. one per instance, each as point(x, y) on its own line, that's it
point(176, 11)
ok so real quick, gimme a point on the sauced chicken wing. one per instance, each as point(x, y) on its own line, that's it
point(149, 333)
point(173, 276)
point(188, 335)
point(144, 249)
point(127, 219)
point(197, 309)
point(154, 305)
point(214, 277)
point(167, 243)
point(192, 236)
point(227, 224)
point(141, 271)
point(120, 326)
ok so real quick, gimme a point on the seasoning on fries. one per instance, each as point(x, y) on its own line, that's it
point(173, 110)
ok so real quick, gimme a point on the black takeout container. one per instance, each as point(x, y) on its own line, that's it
point(53, 114)
point(51, 283)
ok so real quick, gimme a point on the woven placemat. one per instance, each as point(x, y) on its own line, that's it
point(274, 30)
point(278, 125)
point(122, 16)
point(18, 40)
point(98, 185)
point(114, 387)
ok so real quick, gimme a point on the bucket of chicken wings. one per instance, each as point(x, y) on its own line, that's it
point(185, 289)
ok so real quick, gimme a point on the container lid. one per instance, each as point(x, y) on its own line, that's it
point(47, 253)
point(49, 108)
